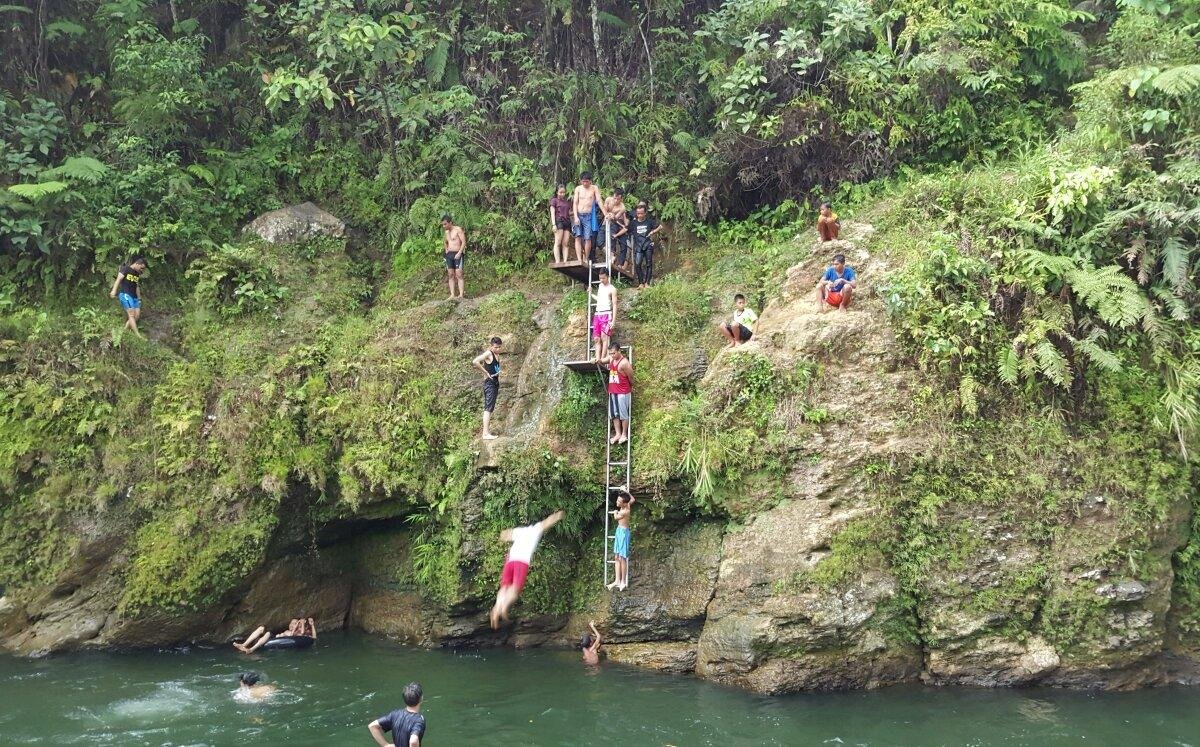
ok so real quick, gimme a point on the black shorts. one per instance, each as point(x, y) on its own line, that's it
point(453, 261)
point(743, 333)
point(562, 224)
point(491, 390)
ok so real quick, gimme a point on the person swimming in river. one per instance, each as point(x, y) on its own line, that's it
point(621, 540)
point(590, 645)
point(299, 627)
point(516, 563)
point(251, 688)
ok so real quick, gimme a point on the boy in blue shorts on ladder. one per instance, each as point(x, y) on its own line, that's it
point(621, 540)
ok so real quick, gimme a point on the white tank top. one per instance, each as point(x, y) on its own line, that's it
point(525, 541)
point(604, 299)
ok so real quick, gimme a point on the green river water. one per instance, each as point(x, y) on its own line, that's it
point(501, 697)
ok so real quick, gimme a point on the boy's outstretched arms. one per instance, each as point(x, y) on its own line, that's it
point(552, 519)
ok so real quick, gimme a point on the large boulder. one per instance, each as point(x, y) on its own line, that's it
point(671, 580)
point(767, 633)
point(295, 223)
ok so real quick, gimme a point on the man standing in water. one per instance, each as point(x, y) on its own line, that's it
point(604, 315)
point(489, 363)
point(127, 288)
point(590, 645)
point(454, 246)
point(516, 564)
point(586, 203)
point(407, 725)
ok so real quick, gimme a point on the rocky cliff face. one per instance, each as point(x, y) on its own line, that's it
point(858, 564)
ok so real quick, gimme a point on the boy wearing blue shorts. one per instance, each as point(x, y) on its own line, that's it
point(127, 288)
point(621, 540)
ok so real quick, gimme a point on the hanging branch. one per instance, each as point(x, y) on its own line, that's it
point(646, 44)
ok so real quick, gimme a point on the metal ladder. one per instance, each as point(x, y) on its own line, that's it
point(593, 283)
point(624, 462)
point(624, 458)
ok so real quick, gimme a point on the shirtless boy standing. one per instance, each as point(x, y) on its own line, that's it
point(454, 245)
point(621, 540)
point(586, 203)
point(617, 226)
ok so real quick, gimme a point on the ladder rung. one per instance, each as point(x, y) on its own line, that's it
point(616, 464)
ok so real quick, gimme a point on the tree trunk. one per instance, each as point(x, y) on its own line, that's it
point(596, 36)
point(390, 125)
point(41, 70)
point(646, 44)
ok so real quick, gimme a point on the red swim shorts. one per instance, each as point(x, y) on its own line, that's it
point(514, 574)
point(833, 298)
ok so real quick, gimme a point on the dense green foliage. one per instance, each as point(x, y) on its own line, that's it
point(1031, 168)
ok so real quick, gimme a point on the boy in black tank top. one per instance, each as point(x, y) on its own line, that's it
point(489, 363)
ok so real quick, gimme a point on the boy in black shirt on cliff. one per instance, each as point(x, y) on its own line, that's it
point(642, 228)
point(127, 288)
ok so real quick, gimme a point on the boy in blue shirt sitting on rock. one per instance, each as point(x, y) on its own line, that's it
point(837, 284)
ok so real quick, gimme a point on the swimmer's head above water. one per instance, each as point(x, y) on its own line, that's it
point(249, 679)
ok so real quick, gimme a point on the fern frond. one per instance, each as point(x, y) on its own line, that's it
point(1106, 360)
point(1176, 258)
point(1053, 364)
point(1006, 366)
point(1039, 267)
point(1152, 324)
point(1112, 295)
point(38, 190)
point(968, 390)
point(82, 168)
point(202, 173)
point(1177, 81)
point(1177, 309)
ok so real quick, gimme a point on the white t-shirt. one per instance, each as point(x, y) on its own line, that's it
point(604, 299)
point(524, 542)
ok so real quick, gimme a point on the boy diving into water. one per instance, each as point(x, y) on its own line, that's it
point(516, 564)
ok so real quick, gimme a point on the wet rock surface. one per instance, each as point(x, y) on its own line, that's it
point(732, 600)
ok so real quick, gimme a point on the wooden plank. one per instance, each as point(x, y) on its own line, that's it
point(582, 366)
point(578, 271)
point(575, 270)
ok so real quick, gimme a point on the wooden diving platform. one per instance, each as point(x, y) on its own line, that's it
point(578, 271)
point(582, 366)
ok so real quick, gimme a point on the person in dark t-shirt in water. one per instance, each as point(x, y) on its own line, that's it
point(407, 725)
point(127, 288)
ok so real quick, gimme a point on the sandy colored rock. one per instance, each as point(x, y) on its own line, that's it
point(671, 658)
point(295, 223)
point(992, 662)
